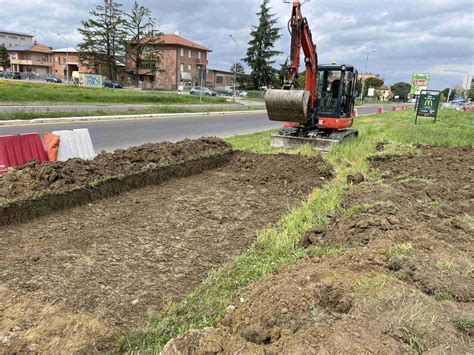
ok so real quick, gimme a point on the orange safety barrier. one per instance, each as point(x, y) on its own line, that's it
point(51, 145)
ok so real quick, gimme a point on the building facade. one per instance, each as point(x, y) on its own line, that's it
point(183, 64)
point(36, 58)
point(10, 39)
point(224, 79)
point(68, 58)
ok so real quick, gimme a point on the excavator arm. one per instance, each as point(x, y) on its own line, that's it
point(301, 38)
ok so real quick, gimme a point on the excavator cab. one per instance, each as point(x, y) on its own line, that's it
point(335, 91)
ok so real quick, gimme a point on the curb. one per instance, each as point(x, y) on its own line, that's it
point(124, 117)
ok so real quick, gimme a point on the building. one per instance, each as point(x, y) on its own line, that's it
point(33, 58)
point(68, 58)
point(183, 63)
point(467, 82)
point(365, 76)
point(383, 93)
point(224, 79)
point(10, 39)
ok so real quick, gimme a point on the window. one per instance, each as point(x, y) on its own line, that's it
point(2, 35)
point(13, 37)
point(22, 38)
point(219, 79)
point(199, 55)
point(189, 67)
point(189, 53)
point(181, 52)
point(182, 67)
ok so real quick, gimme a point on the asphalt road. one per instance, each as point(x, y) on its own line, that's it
point(113, 134)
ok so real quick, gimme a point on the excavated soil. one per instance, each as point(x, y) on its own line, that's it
point(56, 177)
point(392, 273)
point(72, 281)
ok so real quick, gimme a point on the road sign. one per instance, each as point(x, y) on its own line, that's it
point(371, 92)
point(419, 82)
point(428, 104)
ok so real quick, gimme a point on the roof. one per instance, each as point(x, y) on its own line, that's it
point(39, 48)
point(16, 33)
point(65, 50)
point(175, 40)
point(227, 72)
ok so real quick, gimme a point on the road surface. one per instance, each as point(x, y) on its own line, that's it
point(113, 134)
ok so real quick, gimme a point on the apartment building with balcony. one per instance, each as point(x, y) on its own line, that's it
point(34, 58)
point(183, 63)
point(11, 39)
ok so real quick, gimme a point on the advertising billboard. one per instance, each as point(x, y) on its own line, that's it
point(419, 82)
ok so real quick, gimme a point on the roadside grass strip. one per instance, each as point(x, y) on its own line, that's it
point(278, 247)
point(20, 92)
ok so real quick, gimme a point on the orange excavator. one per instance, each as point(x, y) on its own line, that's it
point(321, 113)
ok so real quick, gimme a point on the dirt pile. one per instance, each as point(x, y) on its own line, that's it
point(33, 178)
point(74, 280)
point(392, 273)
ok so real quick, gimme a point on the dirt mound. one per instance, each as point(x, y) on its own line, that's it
point(33, 178)
point(102, 267)
point(390, 274)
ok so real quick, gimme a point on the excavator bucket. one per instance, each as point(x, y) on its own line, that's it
point(287, 105)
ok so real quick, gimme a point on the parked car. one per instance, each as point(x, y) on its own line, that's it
point(12, 75)
point(456, 103)
point(112, 84)
point(224, 91)
point(52, 79)
point(200, 90)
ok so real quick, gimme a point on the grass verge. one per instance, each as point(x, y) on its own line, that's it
point(36, 92)
point(278, 246)
point(6, 116)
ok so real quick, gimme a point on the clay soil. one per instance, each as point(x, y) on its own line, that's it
point(73, 281)
point(392, 273)
point(34, 178)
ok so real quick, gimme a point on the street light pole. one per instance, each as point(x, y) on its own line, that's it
point(366, 65)
point(67, 56)
point(235, 65)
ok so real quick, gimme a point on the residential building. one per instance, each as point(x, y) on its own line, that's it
point(34, 58)
point(183, 63)
point(11, 39)
point(224, 79)
point(364, 76)
point(68, 57)
point(383, 93)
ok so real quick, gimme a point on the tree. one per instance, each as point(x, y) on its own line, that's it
point(240, 68)
point(4, 58)
point(373, 83)
point(142, 48)
point(260, 51)
point(447, 95)
point(103, 38)
point(401, 89)
point(470, 92)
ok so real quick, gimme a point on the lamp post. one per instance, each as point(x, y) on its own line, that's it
point(366, 64)
point(67, 56)
point(235, 65)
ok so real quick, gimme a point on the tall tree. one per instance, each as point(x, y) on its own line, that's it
point(4, 58)
point(261, 48)
point(103, 38)
point(143, 52)
point(373, 83)
point(401, 89)
point(239, 66)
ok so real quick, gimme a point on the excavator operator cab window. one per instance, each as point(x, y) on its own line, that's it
point(335, 92)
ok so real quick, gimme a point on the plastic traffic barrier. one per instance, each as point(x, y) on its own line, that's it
point(75, 144)
point(51, 145)
point(20, 149)
point(380, 109)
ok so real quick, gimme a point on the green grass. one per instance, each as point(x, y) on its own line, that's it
point(465, 325)
point(5, 116)
point(19, 92)
point(400, 251)
point(277, 247)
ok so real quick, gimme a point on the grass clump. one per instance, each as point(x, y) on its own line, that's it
point(376, 281)
point(443, 294)
point(400, 251)
point(446, 264)
point(465, 325)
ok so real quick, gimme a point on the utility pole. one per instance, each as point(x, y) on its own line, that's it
point(235, 65)
point(67, 56)
point(366, 65)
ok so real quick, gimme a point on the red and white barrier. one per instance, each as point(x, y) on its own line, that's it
point(380, 109)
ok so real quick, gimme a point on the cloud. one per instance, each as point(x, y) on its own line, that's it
point(435, 36)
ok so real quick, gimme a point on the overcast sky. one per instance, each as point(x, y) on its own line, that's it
point(435, 36)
